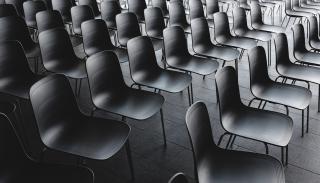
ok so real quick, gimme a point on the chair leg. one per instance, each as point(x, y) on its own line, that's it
point(221, 137)
point(189, 97)
point(302, 124)
point(232, 142)
point(267, 148)
point(287, 154)
point(79, 87)
point(308, 118)
point(229, 142)
point(319, 98)
point(128, 150)
point(191, 92)
point(163, 128)
point(282, 155)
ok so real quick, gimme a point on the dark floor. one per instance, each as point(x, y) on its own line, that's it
point(153, 163)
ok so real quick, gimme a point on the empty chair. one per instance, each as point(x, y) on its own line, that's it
point(291, 13)
point(178, 16)
point(288, 70)
point(80, 14)
point(48, 3)
point(63, 6)
point(109, 11)
point(162, 4)
point(212, 7)
point(223, 36)
point(144, 70)
point(94, 6)
point(196, 11)
point(96, 39)
point(64, 128)
point(312, 5)
point(49, 19)
point(178, 57)
point(110, 93)
point(18, 4)
point(203, 46)
point(313, 41)
point(7, 10)
point(154, 26)
point(257, 23)
point(128, 27)
point(267, 90)
point(31, 8)
point(213, 164)
point(178, 178)
point(20, 167)
point(137, 7)
point(296, 6)
point(15, 28)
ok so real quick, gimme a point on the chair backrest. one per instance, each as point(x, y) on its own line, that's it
point(18, 4)
point(7, 10)
point(221, 26)
point(49, 19)
point(13, 63)
point(141, 56)
point(175, 42)
point(196, 9)
point(128, 27)
point(228, 90)
point(154, 22)
point(239, 20)
point(15, 28)
point(178, 178)
point(288, 5)
point(96, 37)
point(31, 8)
point(282, 51)
point(295, 3)
point(48, 3)
point(137, 7)
point(199, 130)
point(93, 4)
point(109, 11)
point(54, 106)
point(298, 38)
point(255, 12)
point(177, 14)
point(313, 28)
point(258, 66)
point(200, 32)
point(63, 6)
point(212, 7)
point(162, 4)
point(79, 14)
point(56, 48)
point(105, 75)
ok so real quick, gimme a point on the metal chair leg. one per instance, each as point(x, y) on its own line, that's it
point(221, 137)
point(302, 123)
point(163, 128)
point(308, 111)
point(128, 150)
point(229, 142)
point(267, 148)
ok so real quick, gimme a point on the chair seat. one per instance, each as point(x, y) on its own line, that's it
point(39, 173)
point(186, 27)
point(269, 28)
point(283, 94)
point(91, 138)
point(266, 126)
point(76, 71)
point(305, 73)
point(194, 64)
point(121, 54)
point(132, 103)
point(308, 57)
point(33, 51)
point(315, 44)
point(111, 24)
point(164, 80)
point(157, 44)
point(227, 54)
point(238, 42)
point(298, 13)
point(254, 34)
point(243, 166)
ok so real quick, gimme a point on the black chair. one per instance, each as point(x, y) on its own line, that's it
point(18, 4)
point(203, 46)
point(291, 13)
point(257, 23)
point(268, 91)
point(110, 93)
point(109, 11)
point(63, 127)
point(313, 41)
point(80, 14)
point(222, 34)
point(144, 70)
point(178, 178)
point(154, 26)
point(58, 56)
point(7, 10)
point(238, 119)
point(213, 164)
point(31, 8)
point(196, 11)
point(137, 7)
point(296, 6)
point(94, 6)
point(48, 3)
point(64, 7)
point(178, 57)
point(20, 167)
point(15, 28)
point(288, 70)
point(49, 19)
point(96, 39)
point(128, 28)
point(162, 4)
point(212, 7)
point(178, 16)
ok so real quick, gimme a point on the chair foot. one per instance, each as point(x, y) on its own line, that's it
point(128, 150)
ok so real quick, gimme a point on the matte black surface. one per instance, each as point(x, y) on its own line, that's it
point(31, 8)
point(314, 41)
point(162, 4)
point(7, 10)
point(93, 4)
point(49, 19)
point(154, 21)
point(18, 4)
point(212, 8)
point(109, 11)
point(178, 16)
point(128, 27)
point(178, 178)
point(137, 7)
point(63, 6)
point(79, 14)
